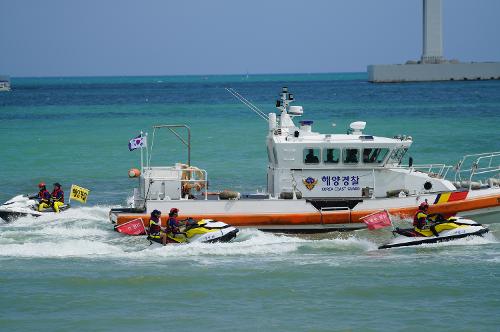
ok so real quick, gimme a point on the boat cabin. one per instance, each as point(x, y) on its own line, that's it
point(304, 163)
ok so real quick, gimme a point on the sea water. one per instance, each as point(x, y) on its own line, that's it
point(72, 271)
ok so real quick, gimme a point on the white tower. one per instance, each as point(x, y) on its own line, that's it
point(433, 43)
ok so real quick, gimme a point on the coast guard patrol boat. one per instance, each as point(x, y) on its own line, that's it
point(321, 182)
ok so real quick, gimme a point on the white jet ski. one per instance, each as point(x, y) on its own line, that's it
point(202, 231)
point(447, 229)
point(23, 205)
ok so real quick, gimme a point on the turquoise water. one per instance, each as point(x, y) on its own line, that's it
point(73, 272)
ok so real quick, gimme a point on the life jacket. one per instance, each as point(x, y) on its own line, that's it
point(58, 195)
point(44, 195)
point(172, 225)
point(154, 228)
point(419, 219)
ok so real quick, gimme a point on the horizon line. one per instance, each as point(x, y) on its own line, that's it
point(189, 75)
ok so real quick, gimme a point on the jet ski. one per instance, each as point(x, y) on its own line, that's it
point(201, 231)
point(24, 205)
point(447, 229)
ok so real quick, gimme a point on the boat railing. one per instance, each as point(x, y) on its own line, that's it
point(479, 165)
point(160, 173)
point(433, 170)
point(469, 168)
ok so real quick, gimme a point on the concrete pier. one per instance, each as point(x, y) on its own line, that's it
point(434, 72)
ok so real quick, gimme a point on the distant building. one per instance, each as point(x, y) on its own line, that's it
point(4, 83)
point(432, 66)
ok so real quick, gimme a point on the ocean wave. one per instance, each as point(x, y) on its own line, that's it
point(59, 249)
point(86, 232)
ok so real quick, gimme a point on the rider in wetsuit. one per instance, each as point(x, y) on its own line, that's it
point(43, 197)
point(173, 224)
point(57, 197)
point(155, 231)
point(420, 220)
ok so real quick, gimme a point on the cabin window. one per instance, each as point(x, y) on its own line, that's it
point(311, 156)
point(331, 156)
point(397, 155)
point(351, 156)
point(374, 155)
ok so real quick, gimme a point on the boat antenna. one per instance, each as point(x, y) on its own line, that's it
point(251, 106)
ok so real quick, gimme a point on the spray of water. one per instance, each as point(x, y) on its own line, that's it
point(87, 233)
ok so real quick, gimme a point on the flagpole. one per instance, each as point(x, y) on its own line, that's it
point(142, 163)
point(390, 219)
point(147, 151)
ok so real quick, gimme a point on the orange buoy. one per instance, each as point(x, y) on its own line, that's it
point(134, 173)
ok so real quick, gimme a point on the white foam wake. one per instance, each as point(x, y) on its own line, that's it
point(59, 249)
point(86, 232)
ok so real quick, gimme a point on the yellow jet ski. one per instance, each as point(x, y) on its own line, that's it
point(204, 231)
point(24, 205)
point(447, 230)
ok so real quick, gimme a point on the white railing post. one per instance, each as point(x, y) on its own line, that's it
point(373, 175)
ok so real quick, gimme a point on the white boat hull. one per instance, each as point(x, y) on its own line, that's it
point(303, 215)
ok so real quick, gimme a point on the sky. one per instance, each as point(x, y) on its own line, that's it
point(203, 37)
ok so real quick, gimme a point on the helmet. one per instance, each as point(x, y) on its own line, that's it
point(41, 185)
point(155, 213)
point(57, 184)
point(174, 210)
point(423, 206)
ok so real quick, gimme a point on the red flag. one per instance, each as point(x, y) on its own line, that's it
point(133, 227)
point(377, 220)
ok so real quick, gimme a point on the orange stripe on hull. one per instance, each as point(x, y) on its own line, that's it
point(326, 218)
point(256, 220)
